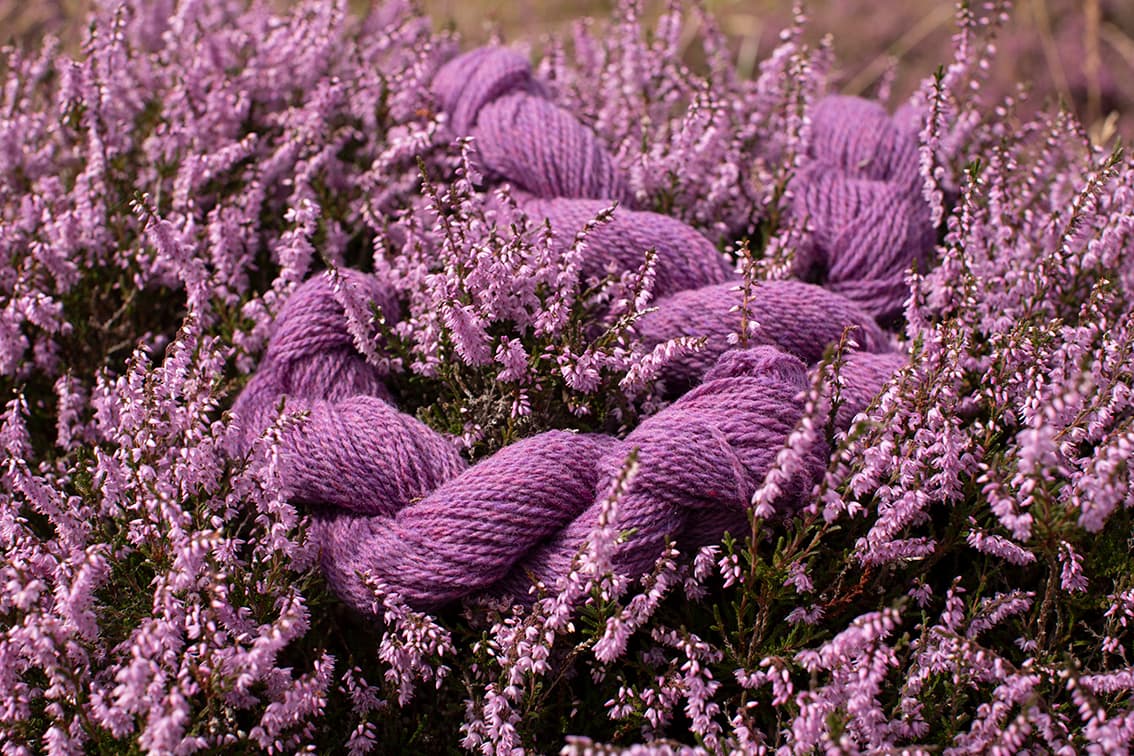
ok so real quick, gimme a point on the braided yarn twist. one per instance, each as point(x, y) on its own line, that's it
point(393, 499)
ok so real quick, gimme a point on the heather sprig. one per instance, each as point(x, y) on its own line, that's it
point(175, 571)
point(249, 135)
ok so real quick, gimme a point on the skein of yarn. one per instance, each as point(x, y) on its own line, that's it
point(392, 499)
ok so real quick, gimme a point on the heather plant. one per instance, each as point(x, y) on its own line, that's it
point(697, 141)
point(955, 574)
point(503, 334)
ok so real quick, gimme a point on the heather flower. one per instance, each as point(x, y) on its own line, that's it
point(412, 646)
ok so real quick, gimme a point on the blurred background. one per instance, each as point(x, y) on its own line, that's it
point(1080, 52)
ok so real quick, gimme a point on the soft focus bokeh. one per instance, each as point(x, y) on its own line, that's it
point(1076, 51)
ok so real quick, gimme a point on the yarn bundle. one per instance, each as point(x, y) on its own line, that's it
point(392, 499)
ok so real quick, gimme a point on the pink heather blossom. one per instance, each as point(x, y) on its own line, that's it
point(999, 546)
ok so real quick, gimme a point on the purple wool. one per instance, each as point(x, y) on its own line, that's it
point(798, 318)
point(861, 194)
point(393, 499)
point(522, 136)
point(563, 174)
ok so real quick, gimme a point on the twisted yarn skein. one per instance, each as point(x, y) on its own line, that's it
point(392, 499)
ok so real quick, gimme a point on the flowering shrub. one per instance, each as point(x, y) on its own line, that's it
point(493, 341)
point(960, 577)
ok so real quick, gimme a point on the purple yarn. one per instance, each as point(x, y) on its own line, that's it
point(859, 138)
point(685, 259)
point(799, 318)
point(342, 455)
point(490, 94)
point(469, 533)
point(862, 195)
point(392, 498)
point(861, 192)
point(311, 355)
point(564, 175)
